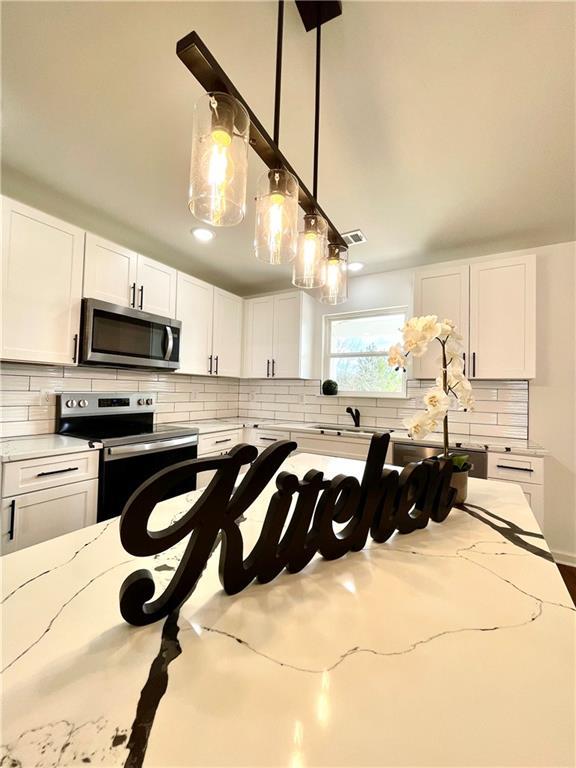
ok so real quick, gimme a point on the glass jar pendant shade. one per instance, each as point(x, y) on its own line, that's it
point(308, 269)
point(219, 164)
point(335, 287)
point(276, 234)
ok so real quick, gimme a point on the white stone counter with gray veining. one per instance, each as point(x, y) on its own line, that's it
point(36, 446)
point(450, 646)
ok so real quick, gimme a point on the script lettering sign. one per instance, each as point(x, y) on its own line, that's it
point(384, 501)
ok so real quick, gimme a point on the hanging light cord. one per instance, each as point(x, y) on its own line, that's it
point(279, 38)
point(317, 107)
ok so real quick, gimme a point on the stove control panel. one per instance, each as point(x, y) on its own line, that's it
point(100, 403)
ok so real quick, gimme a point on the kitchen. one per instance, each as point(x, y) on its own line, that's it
point(136, 336)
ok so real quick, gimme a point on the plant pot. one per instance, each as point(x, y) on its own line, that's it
point(459, 480)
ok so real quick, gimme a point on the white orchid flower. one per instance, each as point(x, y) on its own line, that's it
point(396, 357)
point(419, 426)
point(436, 401)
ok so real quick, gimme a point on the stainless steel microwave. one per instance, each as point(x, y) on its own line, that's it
point(124, 337)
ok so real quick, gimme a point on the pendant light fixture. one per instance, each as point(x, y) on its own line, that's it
point(335, 284)
point(308, 269)
point(218, 169)
point(310, 265)
point(276, 233)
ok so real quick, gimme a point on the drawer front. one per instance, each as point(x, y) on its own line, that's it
point(35, 517)
point(49, 472)
point(520, 469)
point(219, 442)
point(331, 446)
point(265, 437)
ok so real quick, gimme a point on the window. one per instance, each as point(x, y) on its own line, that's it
point(355, 346)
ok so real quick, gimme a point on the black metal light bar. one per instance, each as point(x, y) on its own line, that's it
point(202, 64)
point(314, 13)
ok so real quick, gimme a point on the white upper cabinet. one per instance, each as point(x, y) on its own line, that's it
point(278, 336)
point(443, 291)
point(194, 308)
point(227, 334)
point(258, 337)
point(110, 272)
point(42, 261)
point(121, 276)
point(211, 336)
point(156, 291)
point(503, 318)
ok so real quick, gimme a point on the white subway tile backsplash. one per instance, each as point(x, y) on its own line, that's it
point(28, 394)
point(11, 382)
point(27, 397)
point(496, 402)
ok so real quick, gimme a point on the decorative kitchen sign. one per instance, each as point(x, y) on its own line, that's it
point(384, 501)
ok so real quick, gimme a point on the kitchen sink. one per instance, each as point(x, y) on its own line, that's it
point(343, 428)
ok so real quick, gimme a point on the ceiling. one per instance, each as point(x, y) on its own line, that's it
point(447, 129)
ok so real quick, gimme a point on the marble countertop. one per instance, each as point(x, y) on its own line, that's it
point(19, 448)
point(451, 646)
point(469, 442)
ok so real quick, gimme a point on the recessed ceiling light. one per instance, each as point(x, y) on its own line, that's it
point(355, 266)
point(204, 235)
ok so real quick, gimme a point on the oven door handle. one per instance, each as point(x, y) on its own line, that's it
point(136, 449)
point(170, 343)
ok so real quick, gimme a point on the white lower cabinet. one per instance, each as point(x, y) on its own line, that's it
point(34, 517)
point(215, 444)
point(331, 445)
point(525, 471)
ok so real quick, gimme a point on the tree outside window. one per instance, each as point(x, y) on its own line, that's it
point(356, 347)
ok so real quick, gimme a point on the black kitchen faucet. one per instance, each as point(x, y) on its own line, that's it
point(355, 415)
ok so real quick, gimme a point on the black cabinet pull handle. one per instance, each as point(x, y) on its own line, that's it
point(267, 369)
point(273, 366)
point(210, 364)
point(57, 471)
point(518, 469)
point(75, 353)
point(141, 305)
point(12, 518)
point(269, 439)
point(217, 365)
point(464, 360)
point(133, 295)
point(473, 363)
point(227, 440)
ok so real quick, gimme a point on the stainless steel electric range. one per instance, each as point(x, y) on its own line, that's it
point(134, 448)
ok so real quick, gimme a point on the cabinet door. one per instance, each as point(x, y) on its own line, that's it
point(227, 338)
point(286, 344)
point(194, 308)
point(109, 272)
point(259, 333)
point(156, 287)
point(503, 318)
point(43, 515)
point(443, 291)
point(42, 286)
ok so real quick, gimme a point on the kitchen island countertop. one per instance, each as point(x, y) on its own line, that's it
point(451, 646)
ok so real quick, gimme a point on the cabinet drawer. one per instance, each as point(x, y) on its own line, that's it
point(218, 441)
point(35, 517)
point(48, 472)
point(265, 437)
point(331, 445)
point(520, 469)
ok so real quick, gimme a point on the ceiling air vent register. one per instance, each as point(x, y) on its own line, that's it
point(354, 237)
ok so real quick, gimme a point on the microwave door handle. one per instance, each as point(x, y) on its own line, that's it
point(170, 343)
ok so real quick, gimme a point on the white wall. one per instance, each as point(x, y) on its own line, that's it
point(386, 289)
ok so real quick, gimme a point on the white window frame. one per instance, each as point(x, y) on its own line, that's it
point(326, 356)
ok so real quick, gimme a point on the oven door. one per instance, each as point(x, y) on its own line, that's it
point(125, 467)
point(124, 337)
